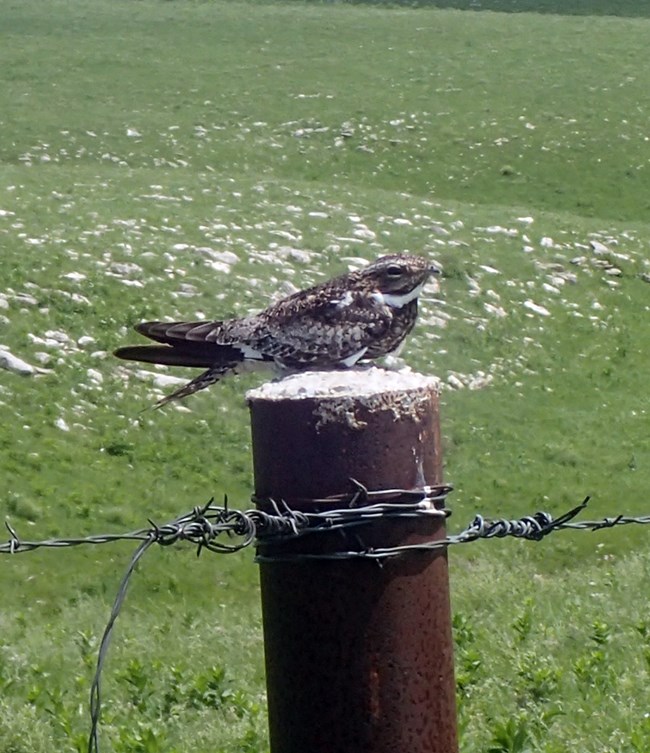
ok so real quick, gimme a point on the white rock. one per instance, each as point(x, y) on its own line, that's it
point(225, 257)
point(125, 268)
point(284, 289)
point(474, 287)
point(25, 298)
point(364, 232)
point(454, 382)
point(218, 266)
point(536, 308)
point(304, 257)
point(495, 229)
point(159, 380)
point(497, 311)
point(481, 381)
point(95, 376)
point(12, 363)
point(56, 334)
point(61, 424)
point(598, 248)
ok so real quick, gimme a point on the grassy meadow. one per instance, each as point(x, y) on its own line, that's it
point(180, 159)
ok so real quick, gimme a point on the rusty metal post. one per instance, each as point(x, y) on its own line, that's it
point(359, 655)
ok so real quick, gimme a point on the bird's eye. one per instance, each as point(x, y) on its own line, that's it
point(394, 270)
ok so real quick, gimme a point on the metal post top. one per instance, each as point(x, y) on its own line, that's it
point(354, 383)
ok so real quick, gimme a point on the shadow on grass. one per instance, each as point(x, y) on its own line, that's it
point(623, 8)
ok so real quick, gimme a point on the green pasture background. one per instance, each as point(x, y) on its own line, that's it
point(180, 159)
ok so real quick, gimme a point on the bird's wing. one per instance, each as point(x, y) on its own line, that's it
point(316, 329)
point(188, 344)
point(177, 333)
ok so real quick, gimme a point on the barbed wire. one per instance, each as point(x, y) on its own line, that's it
point(205, 524)
point(224, 530)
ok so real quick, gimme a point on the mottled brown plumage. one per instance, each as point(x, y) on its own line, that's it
point(355, 317)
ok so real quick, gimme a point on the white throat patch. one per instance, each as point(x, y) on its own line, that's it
point(397, 300)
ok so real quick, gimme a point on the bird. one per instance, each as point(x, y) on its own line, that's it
point(348, 320)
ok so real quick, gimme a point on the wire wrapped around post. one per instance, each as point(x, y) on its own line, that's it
point(359, 654)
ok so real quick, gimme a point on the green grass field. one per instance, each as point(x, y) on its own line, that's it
point(175, 158)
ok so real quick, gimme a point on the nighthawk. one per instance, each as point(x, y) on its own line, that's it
point(350, 319)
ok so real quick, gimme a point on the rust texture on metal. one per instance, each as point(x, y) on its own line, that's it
point(359, 656)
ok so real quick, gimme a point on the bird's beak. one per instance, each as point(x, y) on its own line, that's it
point(435, 270)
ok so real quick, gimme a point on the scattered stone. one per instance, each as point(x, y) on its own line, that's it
point(159, 380)
point(16, 365)
point(361, 231)
point(56, 334)
point(454, 382)
point(497, 311)
point(25, 299)
point(95, 376)
point(536, 308)
point(598, 248)
point(480, 381)
point(74, 276)
point(124, 268)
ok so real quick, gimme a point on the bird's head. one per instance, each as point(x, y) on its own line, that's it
point(399, 278)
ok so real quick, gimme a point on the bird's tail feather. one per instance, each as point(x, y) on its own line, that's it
point(211, 376)
point(164, 354)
